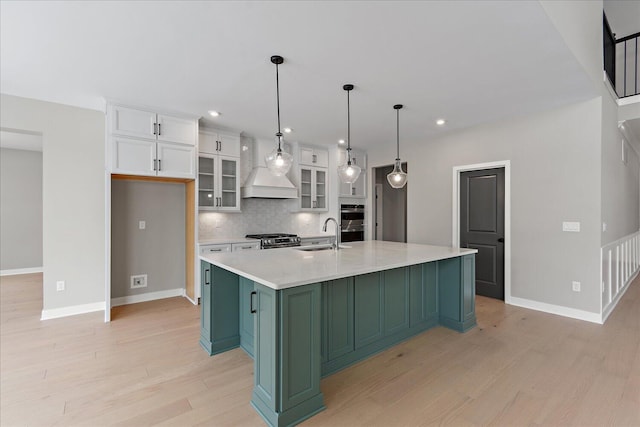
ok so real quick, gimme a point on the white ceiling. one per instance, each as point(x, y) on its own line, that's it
point(20, 140)
point(623, 16)
point(467, 61)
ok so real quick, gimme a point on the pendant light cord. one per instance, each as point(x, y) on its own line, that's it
point(398, 134)
point(279, 134)
point(348, 130)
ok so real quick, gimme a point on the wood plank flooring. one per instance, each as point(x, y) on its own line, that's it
point(518, 367)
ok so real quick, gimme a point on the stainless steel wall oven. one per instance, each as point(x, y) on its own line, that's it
point(352, 223)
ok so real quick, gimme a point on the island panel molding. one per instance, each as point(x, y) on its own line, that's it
point(303, 332)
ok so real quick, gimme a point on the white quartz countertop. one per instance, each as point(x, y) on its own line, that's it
point(288, 267)
point(227, 240)
point(319, 234)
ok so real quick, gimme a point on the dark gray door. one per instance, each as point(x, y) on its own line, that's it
point(482, 227)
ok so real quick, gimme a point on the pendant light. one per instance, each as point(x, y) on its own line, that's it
point(397, 178)
point(278, 161)
point(348, 172)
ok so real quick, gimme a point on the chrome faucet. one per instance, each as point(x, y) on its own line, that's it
point(324, 228)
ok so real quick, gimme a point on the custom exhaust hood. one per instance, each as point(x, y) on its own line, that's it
point(261, 183)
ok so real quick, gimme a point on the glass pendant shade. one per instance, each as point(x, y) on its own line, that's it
point(397, 178)
point(278, 161)
point(349, 173)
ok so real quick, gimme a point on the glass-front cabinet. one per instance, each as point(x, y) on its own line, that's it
point(313, 189)
point(218, 183)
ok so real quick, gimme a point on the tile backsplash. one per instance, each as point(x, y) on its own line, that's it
point(259, 216)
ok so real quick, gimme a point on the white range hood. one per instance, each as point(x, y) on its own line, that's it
point(263, 184)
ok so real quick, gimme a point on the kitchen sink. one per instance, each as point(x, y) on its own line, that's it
point(315, 248)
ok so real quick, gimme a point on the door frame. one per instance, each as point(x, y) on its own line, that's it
point(377, 207)
point(455, 235)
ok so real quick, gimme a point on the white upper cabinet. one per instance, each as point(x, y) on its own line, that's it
point(134, 123)
point(218, 171)
point(176, 129)
point(151, 125)
point(148, 143)
point(359, 188)
point(174, 160)
point(133, 156)
point(313, 156)
point(212, 142)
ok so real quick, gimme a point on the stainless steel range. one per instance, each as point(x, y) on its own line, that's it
point(275, 240)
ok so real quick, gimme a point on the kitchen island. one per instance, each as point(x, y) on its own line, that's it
point(303, 314)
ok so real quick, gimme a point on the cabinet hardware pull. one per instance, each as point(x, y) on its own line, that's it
point(215, 250)
point(251, 309)
point(159, 165)
point(155, 164)
point(501, 240)
point(353, 191)
point(159, 128)
point(155, 128)
point(207, 277)
point(314, 158)
point(245, 247)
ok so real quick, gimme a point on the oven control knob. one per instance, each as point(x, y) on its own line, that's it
point(297, 240)
point(268, 241)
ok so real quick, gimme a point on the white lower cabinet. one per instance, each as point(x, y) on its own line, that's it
point(212, 249)
point(249, 246)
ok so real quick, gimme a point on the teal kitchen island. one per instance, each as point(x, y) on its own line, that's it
point(304, 314)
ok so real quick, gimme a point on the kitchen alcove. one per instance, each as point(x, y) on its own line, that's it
point(152, 235)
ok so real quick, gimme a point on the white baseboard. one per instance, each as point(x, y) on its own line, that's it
point(194, 302)
point(55, 313)
point(15, 271)
point(609, 309)
point(149, 296)
point(556, 309)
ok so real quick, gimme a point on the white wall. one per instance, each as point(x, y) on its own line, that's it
point(20, 209)
point(555, 177)
point(579, 22)
point(620, 182)
point(73, 196)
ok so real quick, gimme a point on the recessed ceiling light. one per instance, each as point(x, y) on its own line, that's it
point(288, 130)
point(341, 141)
point(214, 113)
point(440, 122)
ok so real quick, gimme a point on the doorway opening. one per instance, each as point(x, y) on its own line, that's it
point(389, 207)
point(482, 220)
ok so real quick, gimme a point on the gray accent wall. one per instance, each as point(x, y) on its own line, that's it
point(157, 251)
point(620, 182)
point(394, 213)
point(20, 209)
point(555, 177)
point(73, 166)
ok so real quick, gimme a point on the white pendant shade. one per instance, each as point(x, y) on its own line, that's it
point(349, 173)
point(397, 178)
point(278, 161)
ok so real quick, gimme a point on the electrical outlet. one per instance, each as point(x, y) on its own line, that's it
point(142, 225)
point(139, 281)
point(604, 226)
point(575, 286)
point(60, 285)
point(571, 226)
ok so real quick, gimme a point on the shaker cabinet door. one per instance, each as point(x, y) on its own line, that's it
point(133, 156)
point(177, 161)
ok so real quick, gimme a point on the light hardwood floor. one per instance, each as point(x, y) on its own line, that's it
point(518, 367)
